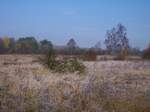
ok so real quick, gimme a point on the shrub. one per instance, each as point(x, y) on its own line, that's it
point(90, 55)
point(63, 66)
point(119, 57)
point(146, 53)
point(122, 55)
point(74, 65)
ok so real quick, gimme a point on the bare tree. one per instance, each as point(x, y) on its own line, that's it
point(98, 45)
point(71, 45)
point(97, 48)
point(117, 41)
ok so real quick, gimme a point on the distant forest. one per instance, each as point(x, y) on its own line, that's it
point(116, 42)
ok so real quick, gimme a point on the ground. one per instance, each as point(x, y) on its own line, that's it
point(107, 86)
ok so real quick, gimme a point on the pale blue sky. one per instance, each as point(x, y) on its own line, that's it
point(85, 20)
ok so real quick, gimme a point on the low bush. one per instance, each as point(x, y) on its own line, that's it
point(63, 66)
point(119, 57)
point(90, 55)
point(146, 53)
point(122, 55)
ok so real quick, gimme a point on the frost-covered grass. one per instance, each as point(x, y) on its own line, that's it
point(108, 86)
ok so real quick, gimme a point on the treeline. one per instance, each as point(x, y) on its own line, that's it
point(29, 45)
point(117, 43)
point(25, 45)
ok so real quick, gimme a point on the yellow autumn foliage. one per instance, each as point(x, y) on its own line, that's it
point(6, 42)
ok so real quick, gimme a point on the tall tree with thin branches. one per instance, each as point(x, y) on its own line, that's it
point(117, 41)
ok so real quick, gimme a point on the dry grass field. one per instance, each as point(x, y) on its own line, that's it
point(107, 86)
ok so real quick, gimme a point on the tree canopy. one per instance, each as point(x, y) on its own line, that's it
point(45, 46)
point(116, 40)
point(26, 45)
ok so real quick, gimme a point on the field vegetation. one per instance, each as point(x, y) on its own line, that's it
point(42, 77)
point(107, 86)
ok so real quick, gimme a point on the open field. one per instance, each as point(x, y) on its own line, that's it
point(107, 86)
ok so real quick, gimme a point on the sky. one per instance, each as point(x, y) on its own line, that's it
point(84, 20)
